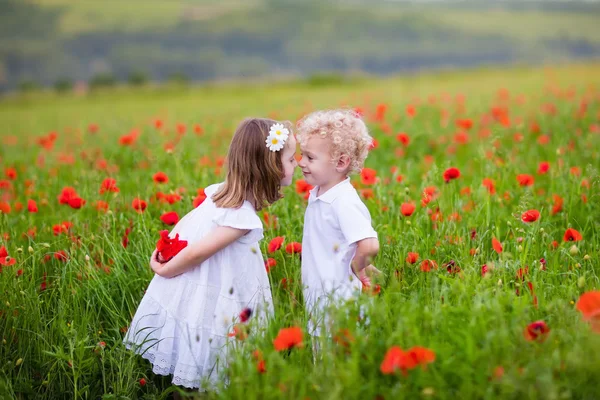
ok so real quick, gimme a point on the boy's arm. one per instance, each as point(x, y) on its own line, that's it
point(366, 249)
point(198, 252)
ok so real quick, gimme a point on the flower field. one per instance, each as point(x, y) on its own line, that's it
point(483, 186)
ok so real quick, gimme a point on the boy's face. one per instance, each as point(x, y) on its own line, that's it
point(288, 160)
point(316, 164)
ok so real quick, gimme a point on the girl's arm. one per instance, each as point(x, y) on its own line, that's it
point(198, 252)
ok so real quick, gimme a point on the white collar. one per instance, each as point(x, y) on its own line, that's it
point(330, 195)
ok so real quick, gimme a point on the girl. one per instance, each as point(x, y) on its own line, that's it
point(197, 298)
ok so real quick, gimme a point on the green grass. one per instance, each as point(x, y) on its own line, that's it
point(50, 338)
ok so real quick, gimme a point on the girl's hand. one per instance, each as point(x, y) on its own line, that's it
point(157, 266)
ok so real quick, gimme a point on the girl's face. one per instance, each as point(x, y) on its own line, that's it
point(288, 160)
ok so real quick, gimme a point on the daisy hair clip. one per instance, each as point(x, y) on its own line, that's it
point(278, 134)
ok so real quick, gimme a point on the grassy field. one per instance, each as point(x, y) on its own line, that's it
point(81, 267)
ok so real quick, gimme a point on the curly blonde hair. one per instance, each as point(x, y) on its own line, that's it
point(345, 129)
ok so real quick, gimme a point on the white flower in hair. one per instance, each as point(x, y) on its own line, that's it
point(278, 134)
point(275, 143)
point(280, 131)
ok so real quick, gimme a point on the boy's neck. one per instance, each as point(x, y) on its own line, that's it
point(324, 188)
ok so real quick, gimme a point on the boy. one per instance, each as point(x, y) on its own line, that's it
point(338, 239)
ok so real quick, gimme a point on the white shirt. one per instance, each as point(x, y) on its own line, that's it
point(333, 223)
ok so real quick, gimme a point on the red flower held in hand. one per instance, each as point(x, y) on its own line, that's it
point(571, 235)
point(170, 218)
point(451, 173)
point(167, 247)
point(530, 216)
point(275, 244)
point(537, 331)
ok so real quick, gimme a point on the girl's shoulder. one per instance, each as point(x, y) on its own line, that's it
point(209, 191)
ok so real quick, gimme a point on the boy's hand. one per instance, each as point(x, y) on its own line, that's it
point(366, 274)
point(372, 271)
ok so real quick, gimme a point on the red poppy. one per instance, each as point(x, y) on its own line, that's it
point(496, 245)
point(589, 306)
point(368, 176)
point(240, 332)
point(293, 248)
point(543, 167)
point(451, 173)
point(490, 185)
point(170, 218)
point(101, 205)
point(392, 360)
point(571, 235)
point(398, 359)
point(344, 338)
point(61, 255)
point(412, 258)
point(302, 187)
point(464, 123)
point(245, 314)
point(428, 265)
point(139, 205)
point(288, 338)
point(403, 138)
point(76, 202)
point(32, 206)
point(67, 194)
point(421, 355)
point(536, 331)
point(199, 198)
point(270, 263)
point(407, 209)
point(525, 179)
point(270, 220)
point(5, 259)
point(485, 270)
point(167, 247)
point(558, 204)
point(275, 244)
point(109, 185)
point(11, 173)
point(530, 216)
point(142, 382)
point(260, 362)
point(4, 207)
point(160, 177)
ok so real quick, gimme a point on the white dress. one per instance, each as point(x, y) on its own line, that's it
point(182, 323)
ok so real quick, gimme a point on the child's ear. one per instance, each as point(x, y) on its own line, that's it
point(343, 163)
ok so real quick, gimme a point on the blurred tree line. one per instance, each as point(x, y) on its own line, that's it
point(273, 38)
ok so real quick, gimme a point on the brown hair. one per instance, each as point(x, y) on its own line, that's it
point(252, 169)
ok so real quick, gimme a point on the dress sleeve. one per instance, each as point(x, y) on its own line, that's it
point(240, 218)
